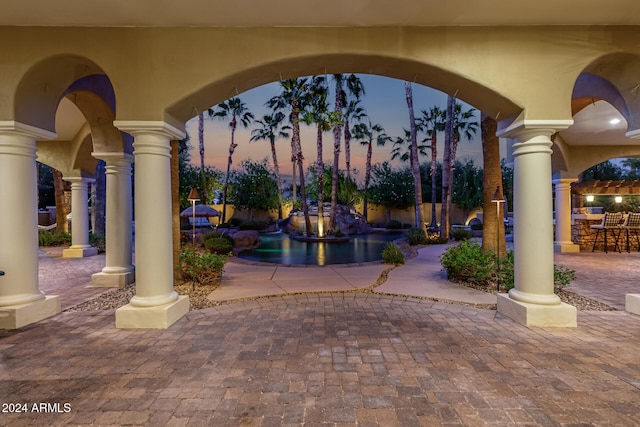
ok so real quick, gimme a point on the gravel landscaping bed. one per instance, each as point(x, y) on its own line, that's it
point(198, 298)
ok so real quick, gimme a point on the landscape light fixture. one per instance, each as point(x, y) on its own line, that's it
point(498, 198)
point(193, 197)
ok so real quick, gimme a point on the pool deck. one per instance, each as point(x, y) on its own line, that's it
point(386, 356)
point(421, 276)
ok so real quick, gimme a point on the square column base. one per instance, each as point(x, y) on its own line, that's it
point(632, 303)
point(535, 315)
point(115, 280)
point(566, 247)
point(17, 316)
point(160, 317)
point(79, 252)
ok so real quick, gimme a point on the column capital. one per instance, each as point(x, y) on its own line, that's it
point(521, 128)
point(14, 127)
point(113, 157)
point(564, 181)
point(160, 128)
point(79, 180)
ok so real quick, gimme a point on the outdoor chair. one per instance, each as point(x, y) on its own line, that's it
point(632, 224)
point(612, 221)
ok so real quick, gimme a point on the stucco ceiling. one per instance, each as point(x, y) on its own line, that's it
point(251, 13)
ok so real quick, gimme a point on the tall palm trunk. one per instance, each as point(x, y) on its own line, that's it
point(296, 151)
point(493, 238)
point(347, 148)
point(415, 164)
point(276, 170)
point(61, 206)
point(446, 169)
point(294, 184)
point(432, 171)
point(337, 134)
point(320, 180)
point(232, 149)
point(367, 177)
point(203, 179)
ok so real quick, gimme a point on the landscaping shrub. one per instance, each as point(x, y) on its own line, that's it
point(406, 226)
point(466, 264)
point(416, 236)
point(253, 225)
point(218, 245)
point(393, 225)
point(225, 225)
point(460, 234)
point(54, 238)
point(435, 239)
point(216, 235)
point(201, 267)
point(391, 254)
point(97, 241)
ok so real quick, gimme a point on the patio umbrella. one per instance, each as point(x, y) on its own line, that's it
point(201, 211)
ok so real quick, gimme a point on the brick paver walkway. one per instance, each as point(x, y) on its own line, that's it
point(325, 359)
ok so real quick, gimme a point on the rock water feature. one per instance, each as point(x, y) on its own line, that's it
point(348, 222)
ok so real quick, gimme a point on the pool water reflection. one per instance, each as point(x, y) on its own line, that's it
point(278, 248)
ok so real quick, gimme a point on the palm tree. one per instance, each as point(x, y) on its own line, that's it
point(432, 122)
point(402, 147)
point(201, 147)
point(463, 123)
point(446, 168)
point(324, 119)
point(415, 164)
point(366, 134)
point(270, 129)
point(353, 113)
point(236, 110)
point(354, 90)
point(493, 239)
point(293, 99)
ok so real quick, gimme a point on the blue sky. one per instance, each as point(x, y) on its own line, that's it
point(384, 102)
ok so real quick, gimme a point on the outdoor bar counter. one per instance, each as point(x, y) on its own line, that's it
point(583, 235)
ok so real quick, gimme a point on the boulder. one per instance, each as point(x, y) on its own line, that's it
point(245, 240)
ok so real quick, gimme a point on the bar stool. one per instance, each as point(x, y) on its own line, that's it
point(611, 221)
point(633, 225)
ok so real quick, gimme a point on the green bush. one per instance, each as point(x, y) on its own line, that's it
point(97, 241)
point(54, 238)
point(218, 235)
point(416, 236)
point(253, 225)
point(225, 225)
point(391, 254)
point(218, 245)
point(393, 225)
point(460, 234)
point(435, 239)
point(466, 264)
point(201, 267)
point(406, 226)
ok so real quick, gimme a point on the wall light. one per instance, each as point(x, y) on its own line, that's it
point(618, 199)
point(590, 198)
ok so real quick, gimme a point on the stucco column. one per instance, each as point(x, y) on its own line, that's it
point(21, 301)
point(118, 270)
point(532, 301)
point(156, 304)
point(80, 246)
point(563, 242)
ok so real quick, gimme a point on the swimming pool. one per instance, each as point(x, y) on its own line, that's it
point(278, 248)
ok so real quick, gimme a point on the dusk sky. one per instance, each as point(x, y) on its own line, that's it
point(384, 102)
